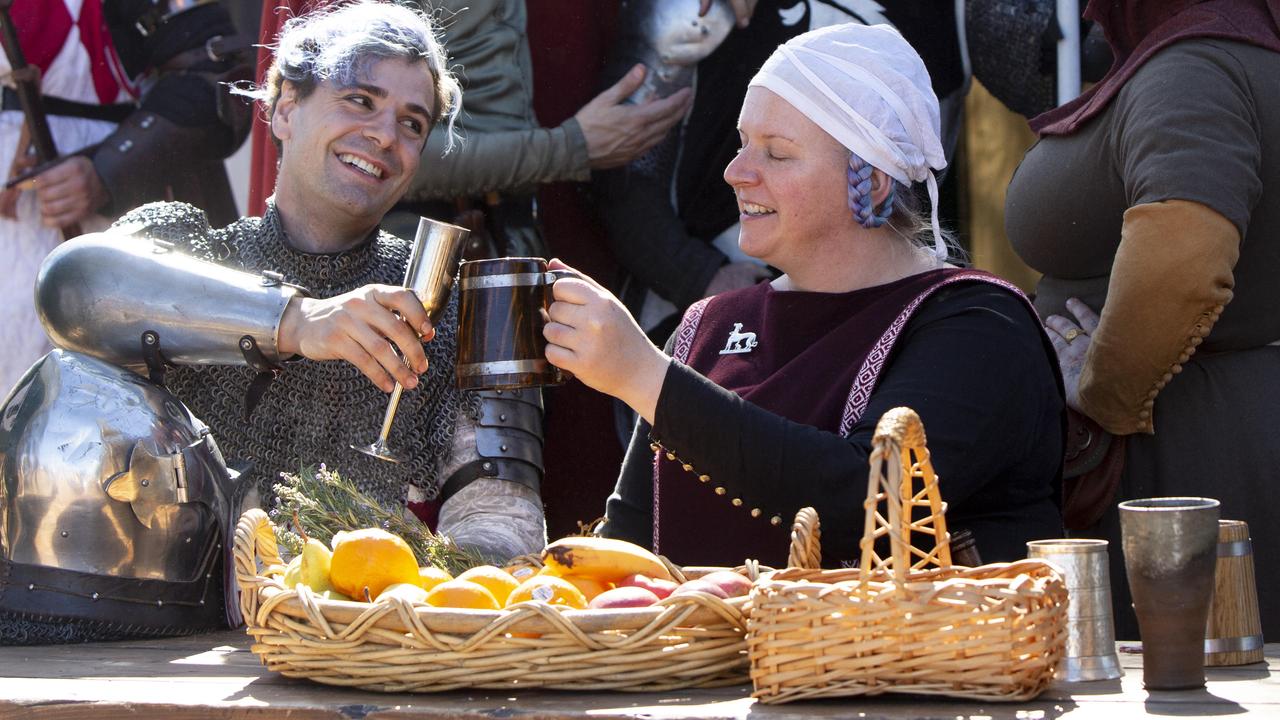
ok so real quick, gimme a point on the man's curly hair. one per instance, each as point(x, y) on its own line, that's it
point(339, 44)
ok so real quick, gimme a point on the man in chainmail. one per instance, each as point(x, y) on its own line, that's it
point(350, 98)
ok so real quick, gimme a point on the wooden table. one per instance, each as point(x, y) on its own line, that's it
point(215, 676)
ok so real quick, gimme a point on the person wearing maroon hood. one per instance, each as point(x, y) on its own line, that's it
point(1152, 206)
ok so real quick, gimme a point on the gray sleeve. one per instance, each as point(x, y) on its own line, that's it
point(1189, 131)
point(496, 518)
point(501, 146)
point(499, 161)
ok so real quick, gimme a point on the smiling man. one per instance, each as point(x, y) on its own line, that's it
point(351, 98)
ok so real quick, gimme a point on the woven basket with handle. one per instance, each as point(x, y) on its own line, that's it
point(909, 622)
point(694, 640)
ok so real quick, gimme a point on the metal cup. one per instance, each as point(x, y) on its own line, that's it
point(1091, 631)
point(1170, 553)
point(437, 250)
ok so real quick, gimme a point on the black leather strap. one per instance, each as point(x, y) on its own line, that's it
point(70, 108)
point(267, 371)
point(154, 357)
point(509, 470)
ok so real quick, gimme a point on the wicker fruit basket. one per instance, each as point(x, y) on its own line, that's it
point(693, 640)
point(910, 622)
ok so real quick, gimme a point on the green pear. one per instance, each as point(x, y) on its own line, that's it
point(314, 569)
point(292, 572)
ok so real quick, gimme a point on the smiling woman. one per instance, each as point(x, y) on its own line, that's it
point(768, 399)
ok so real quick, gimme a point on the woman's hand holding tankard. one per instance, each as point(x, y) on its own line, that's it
point(592, 335)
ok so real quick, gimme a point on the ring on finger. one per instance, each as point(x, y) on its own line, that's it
point(1072, 334)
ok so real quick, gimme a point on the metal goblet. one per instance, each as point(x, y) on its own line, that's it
point(437, 250)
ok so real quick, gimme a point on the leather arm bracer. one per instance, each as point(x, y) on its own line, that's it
point(174, 145)
point(508, 442)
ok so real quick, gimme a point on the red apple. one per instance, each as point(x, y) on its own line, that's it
point(623, 597)
point(733, 584)
point(659, 587)
point(700, 585)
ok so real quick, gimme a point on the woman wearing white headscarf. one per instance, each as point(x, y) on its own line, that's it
point(769, 396)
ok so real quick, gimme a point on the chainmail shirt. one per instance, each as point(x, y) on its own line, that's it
point(316, 410)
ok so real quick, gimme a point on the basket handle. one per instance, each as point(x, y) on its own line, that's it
point(806, 541)
point(254, 538)
point(899, 455)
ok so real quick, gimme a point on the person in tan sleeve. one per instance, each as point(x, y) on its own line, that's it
point(1150, 206)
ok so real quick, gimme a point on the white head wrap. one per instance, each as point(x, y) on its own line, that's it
point(867, 88)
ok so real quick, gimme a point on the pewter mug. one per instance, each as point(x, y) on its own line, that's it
point(1170, 554)
point(1091, 632)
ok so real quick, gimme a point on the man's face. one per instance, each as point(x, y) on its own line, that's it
point(352, 151)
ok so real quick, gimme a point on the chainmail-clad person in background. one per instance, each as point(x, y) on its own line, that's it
point(135, 94)
point(351, 98)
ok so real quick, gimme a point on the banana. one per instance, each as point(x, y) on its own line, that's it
point(602, 558)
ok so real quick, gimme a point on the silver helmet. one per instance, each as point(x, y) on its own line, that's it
point(116, 508)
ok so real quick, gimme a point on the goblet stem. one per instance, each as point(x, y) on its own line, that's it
point(390, 415)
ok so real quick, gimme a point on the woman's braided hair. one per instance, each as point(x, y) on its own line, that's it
point(900, 210)
point(859, 176)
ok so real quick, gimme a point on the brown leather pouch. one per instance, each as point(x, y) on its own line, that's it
point(1093, 463)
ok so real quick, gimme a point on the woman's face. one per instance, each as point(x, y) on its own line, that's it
point(789, 178)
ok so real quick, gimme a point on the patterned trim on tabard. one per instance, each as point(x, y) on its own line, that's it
point(688, 329)
point(684, 344)
point(865, 381)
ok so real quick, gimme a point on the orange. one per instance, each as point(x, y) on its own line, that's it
point(370, 559)
point(408, 591)
point(590, 587)
point(494, 579)
point(462, 594)
point(430, 576)
point(549, 589)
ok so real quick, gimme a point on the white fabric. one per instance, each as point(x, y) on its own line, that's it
point(25, 241)
point(867, 88)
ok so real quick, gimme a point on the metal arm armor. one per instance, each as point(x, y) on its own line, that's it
point(100, 293)
point(508, 441)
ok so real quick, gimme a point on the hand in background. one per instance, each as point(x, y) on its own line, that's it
point(68, 192)
point(617, 133)
point(1071, 341)
point(735, 275)
point(592, 335)
point(360, 327)
point(742, 10)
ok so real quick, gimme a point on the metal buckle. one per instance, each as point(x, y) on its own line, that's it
point(214, 55)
